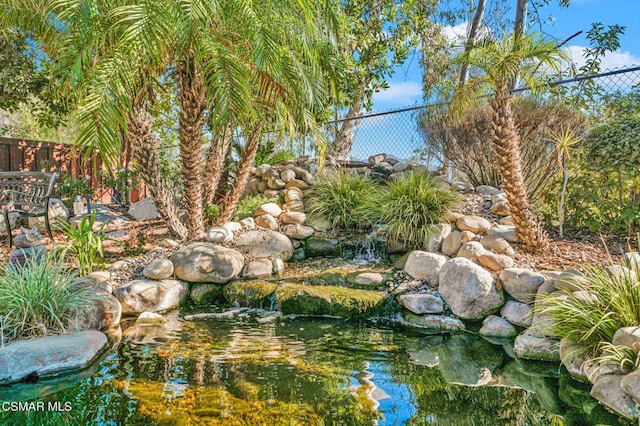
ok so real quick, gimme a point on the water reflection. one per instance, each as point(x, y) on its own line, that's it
point(309, 372)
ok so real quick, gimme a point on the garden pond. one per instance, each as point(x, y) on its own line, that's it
point(256, 367)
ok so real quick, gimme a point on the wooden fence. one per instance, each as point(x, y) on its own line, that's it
point(28, 155)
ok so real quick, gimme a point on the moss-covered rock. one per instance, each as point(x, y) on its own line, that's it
point(326, 300)
point(204, 293)
point(256, 294)
point(318, 246)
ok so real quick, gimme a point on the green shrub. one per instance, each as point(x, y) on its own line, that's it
point(604, 303)
point(38, 298)
point(86, 243)
point(69, 187)
point(343, 197)
point(411, 205)
point(248, 205)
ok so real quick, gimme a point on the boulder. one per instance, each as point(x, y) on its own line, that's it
point(328, 300)
point(471, 250)
point(630, 384)
point(297, 183)
point(293, 218)
point(495, 262)
point(475, 224)
point(573, 357)
point(278, 266)
point(57, 211)
point(255, 294)
point(294, 206)
point(365, 279)
point(260, 243)
point(293, 194)
point(517, 313)
point(431, 322)
point(103, 312)
point(463, 186)
point(148, 295)
point(232, 227)
point(632, 260)
point(537, 348)
point(298, 232)
point(608, 391)
point(158, 269)
point(496, 326)
point(466, 236)
point(257, 268)
point(500, 208)
point(629, 337)
point(425, 265)
point(203, 293)
point(452, 243)
point(521, 284)
point(497, 244)
point(468, 289)
point(205, 262)
point(505, 232)
point(271, 209)
point(422, 303)
point(249, 223)
point(275, 183)
point(487, 190)
point(50, 356)
point(287, 175)
point(437, 234)
point(266, 221)
point(150, 318)
point(319, 246)
point(570, 280)
point(144, 210)
point(219, 235)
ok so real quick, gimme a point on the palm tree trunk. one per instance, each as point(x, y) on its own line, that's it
point(214, 165)
point(506, 144)
point(190, 131)
point(242, 175)
point(143, 146)
point(345, 136)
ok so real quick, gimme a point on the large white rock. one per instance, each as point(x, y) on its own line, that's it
point(206, 262)
point(262, 243)
point(521, 284)
point(475, 224)
point(452, 243)
point(468, 289)
point(517, 313)
point(50, 356)
point(422, 303)
point(504, 231)
point(425, 265)
point(538, 348)
point(607, 389)
point(496, 326)
point(257, 268)
point(144, 209)
point(271, 209)
point(437, 235)
point(495, 262)
point(158, 269)
point(627, 336)
point(219, 235)
point(149, 295)
point(57, 211)
point(471, 250)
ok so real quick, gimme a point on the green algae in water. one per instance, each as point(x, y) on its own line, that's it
point(311, 372)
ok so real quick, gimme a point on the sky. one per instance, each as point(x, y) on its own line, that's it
point(405, 84)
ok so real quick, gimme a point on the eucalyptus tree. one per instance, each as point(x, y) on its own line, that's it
point(493, 64)
point(237, 65)
point(377, 37)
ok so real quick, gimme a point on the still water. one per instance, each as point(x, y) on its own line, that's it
point(257, 369)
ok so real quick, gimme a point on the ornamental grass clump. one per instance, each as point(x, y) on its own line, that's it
point(38, 298)
point(344, 198)
point(411, 206)
point(85, 243)
point(605, 300)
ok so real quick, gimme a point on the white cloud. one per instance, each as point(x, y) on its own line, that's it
point(402, 93)
point(611, 60)
point(457, 32)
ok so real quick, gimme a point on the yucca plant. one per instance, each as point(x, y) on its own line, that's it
point(411, 205)
point(86, 243)
point(604, 302)
point(38, 298)
point(344, 198)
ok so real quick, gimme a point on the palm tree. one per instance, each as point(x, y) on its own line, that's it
point(236, 64)
point(493, 65)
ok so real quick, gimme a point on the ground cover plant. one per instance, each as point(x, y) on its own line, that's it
point(344, 198)
point(38, 298)
point(410, 206)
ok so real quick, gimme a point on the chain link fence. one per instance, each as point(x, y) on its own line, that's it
point(398, 132)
